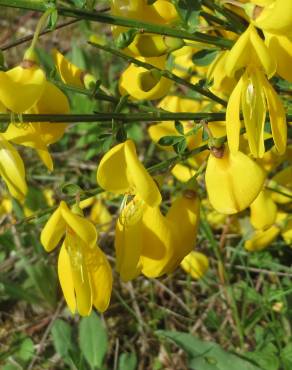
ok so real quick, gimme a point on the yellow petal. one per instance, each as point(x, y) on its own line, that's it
point(53, 231)
point(283, 179)
point(196, 264)
point(138, 177)
point(261, 239)
point(100, 215)
point(184, 213)
point(21, 88)
point(120, 171)
point(128, 240)
point(159, 241)
point(144, 84)
point(258, 54)
point(281, 48)
point(277, 117)
point(182, 173)
point(12, 169)
point(263, 211)
point(276, 17)
point(85, 230)
point(70, 74)
point(233, 181)
point(66, 279)
point(254, 111)
point(76, 252)
point(233, 117)
point(101, 281)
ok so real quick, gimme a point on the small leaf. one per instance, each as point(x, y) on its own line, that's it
point(204, 57)
point(125, 38)
point(179, 127)
point(26, 350)
point(121, 135)
point(170, 140)
point(93, 340)
point(53, 18)
point(62, 337)
point(128, 361)
point(181, 146)
point(71, 189)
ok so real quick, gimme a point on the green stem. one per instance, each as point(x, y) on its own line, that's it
point(95, 16)
point(40, 25)
point(167, 74)
point(124, 117)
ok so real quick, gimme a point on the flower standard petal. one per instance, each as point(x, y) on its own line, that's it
point(70, 74)
point(66, 278)
point(85, 230)
point(21, 87)
point(53, 231)
point(111, 172)
point(137, 175)
point(12, 169)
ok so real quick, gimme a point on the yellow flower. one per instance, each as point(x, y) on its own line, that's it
point(249, 49)
point(196, 264)
point(233, 181)
point(22, 86)
point(283, 182)
point(84, 272)
point(148, 242)
point(39, 135)
point(121, 172)
point(275, 17)
point(143, 84)
point(71, 74)
point(12, 169)
point(255, 95)
point(5, 205)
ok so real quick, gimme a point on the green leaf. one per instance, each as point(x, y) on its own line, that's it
point(179, 127)
point(204, 57)
point(170, 140)
point(128, 361)
point(267, 358)
point(53, 18)
point(121, 135)
point(93, 340)
point(71, 189)
point(189, 12)
point(26, 350)
point(206, 355)
point(35, 199)
point(125, 38)
point(286, 356)
point(181, 146)
point(62, 338)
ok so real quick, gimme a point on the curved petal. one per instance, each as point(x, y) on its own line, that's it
point(261, 239)
point(159, 241)
point(85, 230)
point(263, 211)
point(233, 182)
point(70, 74)
point(12, 169)
point(53, 231)
point(196, 264)
point(111, 172)
point(254, 110)
point(76, 252)
point(101, 281)
point(233, 117)
point(21, 88)
point(128, 240)
point(184, 213)
point(66, 278)
point(277, 117)
point(138, 176)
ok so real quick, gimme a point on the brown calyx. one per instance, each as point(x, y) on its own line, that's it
point(27, 64)
point(217, 152)
point(189, 194)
